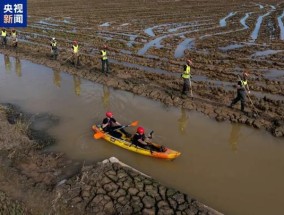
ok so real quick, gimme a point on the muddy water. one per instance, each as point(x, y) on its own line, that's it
point(232, 168)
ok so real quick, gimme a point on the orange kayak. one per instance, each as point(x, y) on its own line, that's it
point(125, 143)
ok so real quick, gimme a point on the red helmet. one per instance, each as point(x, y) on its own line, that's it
point(109, 114)
point(75, 42)
point(140, 130)
point(189, 62)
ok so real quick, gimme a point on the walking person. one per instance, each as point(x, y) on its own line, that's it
point(104, 58)
point(75, 48)
point(54, 49)
point(186, 79)
point(242, 89)
point(4, 37)
point(14, 37)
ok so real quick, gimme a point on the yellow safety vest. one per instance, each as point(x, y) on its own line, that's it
point(75, 49)
point(244, 83)
point(54, 44)
point(14, 34)
point(186, 72)
point(104, 55)
point(4, 33)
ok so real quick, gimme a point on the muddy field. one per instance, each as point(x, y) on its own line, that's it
point(149, 42)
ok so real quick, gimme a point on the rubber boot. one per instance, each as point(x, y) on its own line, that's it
point(243, 108)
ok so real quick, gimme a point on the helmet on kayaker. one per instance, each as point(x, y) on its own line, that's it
point(246, 74)
point(109, 114)
point(13, 30)
point(53, 38)
point(140, 130)
point(75, 42)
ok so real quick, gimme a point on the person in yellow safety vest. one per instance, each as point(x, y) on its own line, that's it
point(4, 37)
point(14, 38)
point(54, 50)
point(242, 88)
point(186, 77)
point(75, 48)
point(105, 65)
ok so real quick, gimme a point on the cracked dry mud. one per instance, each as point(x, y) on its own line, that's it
point(109, 188)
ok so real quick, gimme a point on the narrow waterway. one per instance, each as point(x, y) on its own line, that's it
point(232, 168)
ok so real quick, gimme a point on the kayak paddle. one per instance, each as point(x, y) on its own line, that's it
point(100, 134)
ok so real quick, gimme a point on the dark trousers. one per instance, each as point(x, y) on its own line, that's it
point(4, 41)
point(105, 65)
point(116, 133)
point(54, 52)
point(241, 96)
point(185, 88)
point(76, 58)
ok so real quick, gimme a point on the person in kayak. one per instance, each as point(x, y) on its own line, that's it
point(139, 139)
point(112, 126)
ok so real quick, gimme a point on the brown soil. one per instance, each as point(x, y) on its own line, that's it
point(82, 21)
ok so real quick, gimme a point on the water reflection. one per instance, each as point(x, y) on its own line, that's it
point(234, 136)
point(105, 97)
point(18, 67)
point(56, 77)
point(7, 63)
point(183, 121)
point(77, 85)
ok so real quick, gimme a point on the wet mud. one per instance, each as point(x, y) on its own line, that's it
point(140, 53)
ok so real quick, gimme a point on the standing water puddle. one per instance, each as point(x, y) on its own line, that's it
point(223, 165)
point(187, 44)
point(243, 20)
point(281, 26)
point(254, 34)
point(223, 22)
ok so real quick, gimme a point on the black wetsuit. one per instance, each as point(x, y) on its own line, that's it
point(113, 129)
point(136, 138)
